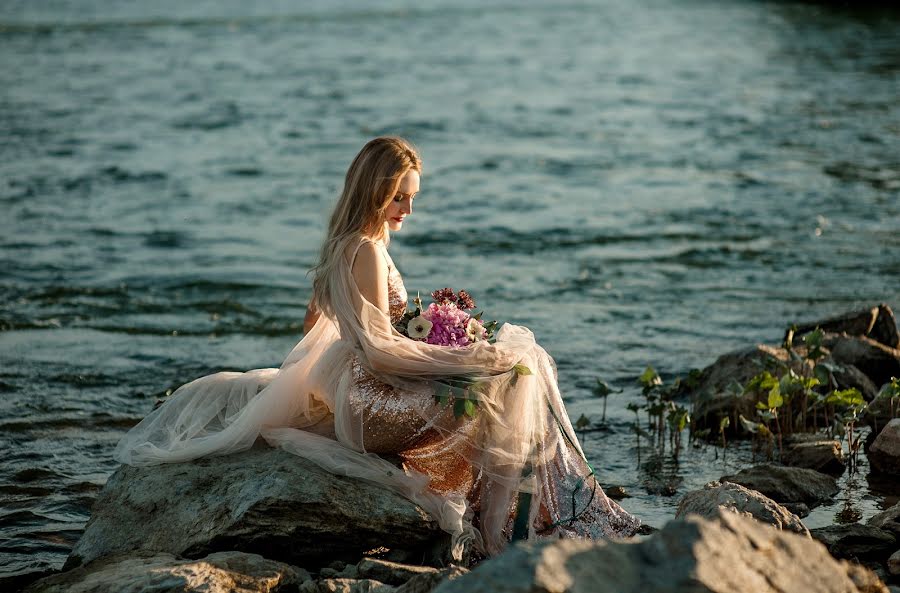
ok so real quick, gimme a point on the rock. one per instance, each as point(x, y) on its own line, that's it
point(889, 520)
point(616, 492)
point(342, 585)
point(737, 499)
point(798, 508)
point(262, 500)
point(877, 361)
point(392, 573)
point(348, 572)
point(732, 554)
point(893, 564)
point(787, 484)
point(877, 323)
point(884, 454)
point(158, 572)
point(719, 391)
point(426, 582)
point(824, 456)
point(848, 376)
point(856, 541)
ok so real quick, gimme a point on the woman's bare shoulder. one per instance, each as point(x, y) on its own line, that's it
point(370, 272)
point(369, 257)
point(363, 248)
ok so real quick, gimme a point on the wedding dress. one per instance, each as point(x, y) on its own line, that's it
point(358, 398)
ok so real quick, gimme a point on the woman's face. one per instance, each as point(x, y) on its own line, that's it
point(400, 205)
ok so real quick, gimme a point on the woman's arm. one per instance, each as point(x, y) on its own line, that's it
point(370, 272)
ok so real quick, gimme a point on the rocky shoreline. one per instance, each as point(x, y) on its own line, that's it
point(266, 520)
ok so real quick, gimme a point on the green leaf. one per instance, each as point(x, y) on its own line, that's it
point(775, 398)
point(748, 425)
point(602, 389)
point(470, 407)
point(814, 338)
point(809, 383)
point(582, 422)
point(649, 378)
point(846, 397)
point(769, 381)
point(724, 423)
point(521, 369)
point(459, 408)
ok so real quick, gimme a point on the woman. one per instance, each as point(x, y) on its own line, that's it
point(358, 398)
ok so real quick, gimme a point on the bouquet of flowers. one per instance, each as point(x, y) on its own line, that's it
point(447, 321)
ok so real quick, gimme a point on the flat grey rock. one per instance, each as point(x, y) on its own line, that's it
point(787, 484)
point(857, 541)
point(264, 501)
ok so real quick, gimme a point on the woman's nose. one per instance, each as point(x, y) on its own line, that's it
point(407, 207)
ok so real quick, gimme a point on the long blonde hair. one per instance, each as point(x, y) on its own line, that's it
point(371, 182)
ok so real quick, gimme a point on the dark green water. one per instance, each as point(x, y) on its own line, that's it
point(638, 182)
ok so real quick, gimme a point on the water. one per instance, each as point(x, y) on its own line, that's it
point(638, 182)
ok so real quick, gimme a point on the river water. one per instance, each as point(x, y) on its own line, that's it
point(640, 182)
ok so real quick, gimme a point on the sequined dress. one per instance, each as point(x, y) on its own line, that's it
point(394, 425)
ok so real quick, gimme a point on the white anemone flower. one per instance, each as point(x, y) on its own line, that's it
point(418, 327)
point(474, 330)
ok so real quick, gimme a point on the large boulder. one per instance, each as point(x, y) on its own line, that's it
point(877, 323)
point(862, 344)
point(718, 496)
point(787, 484)
point(888, 520)
point(877, 361)
point(263, 500)
point(719, 389)
point(158, 572)
point(732, 554)
point(848, 376)
point(884, 454)
point(824, 455)
point(857, 541)
point(893, 564)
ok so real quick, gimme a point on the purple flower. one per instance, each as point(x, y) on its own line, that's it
point(448, 325)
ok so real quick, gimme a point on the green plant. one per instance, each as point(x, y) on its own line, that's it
point(602, 390)
point(664, 416)
point(852, 402)
point(677, 418)
point(724, 423)
point(888, 395)
point(762, 436)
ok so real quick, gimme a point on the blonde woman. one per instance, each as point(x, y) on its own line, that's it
point(357, 397)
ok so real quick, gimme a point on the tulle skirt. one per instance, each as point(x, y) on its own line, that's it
point(514, 468)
